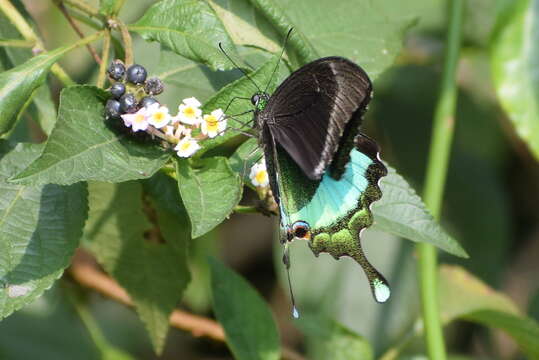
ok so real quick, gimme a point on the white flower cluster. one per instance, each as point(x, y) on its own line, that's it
point(178, 129)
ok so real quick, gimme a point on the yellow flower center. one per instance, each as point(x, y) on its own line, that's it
point(189, 112)
point(211, 123)
point(185, 146)
point(159, 116)
point(139, 118)
point(261, 176)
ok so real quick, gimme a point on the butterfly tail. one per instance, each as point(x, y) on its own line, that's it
point(379, 286)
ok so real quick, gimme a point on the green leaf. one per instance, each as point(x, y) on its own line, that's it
point(524, 330)
point(164, 190)
point(465, 297)
point(190, 28)
point(43, 108)
point(81, 146)
point(40, 227)
point(369, 33)
point(185, 78)
point(282, 22)
point(209, 193)
point(462, 293)
point(246, 25)
point(330, 340)
point(18, 84)
point(401, 212)
point(245, 156)
point(148, 261)
point(250, 330)
point(515, 59)
point(242, 87)
point(33, 324)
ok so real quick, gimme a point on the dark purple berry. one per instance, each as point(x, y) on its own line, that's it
point(154, 86)
point(116, 70)
point(128, 103)
point(136, 74)
point(117, 90)
point(112, 109)
point(147, 101)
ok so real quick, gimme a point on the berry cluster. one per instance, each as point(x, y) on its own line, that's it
point(132, 101)
point(130, 89)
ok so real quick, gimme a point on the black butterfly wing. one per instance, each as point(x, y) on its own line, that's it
point(308, 113)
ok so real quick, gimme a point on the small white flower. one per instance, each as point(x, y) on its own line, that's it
point(189, 112)
point(158, 115)
point(259, 174)
point(214, 124)
point(186, 147)
point(137, 121)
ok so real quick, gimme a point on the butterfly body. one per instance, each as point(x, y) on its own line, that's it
point(323, 172)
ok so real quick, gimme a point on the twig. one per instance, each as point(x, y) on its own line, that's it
point(28, 34)
point(83, 270)
point(104, 60)
point(85, 273)
point(78, 31)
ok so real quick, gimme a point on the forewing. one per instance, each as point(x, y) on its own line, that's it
point(308, 113)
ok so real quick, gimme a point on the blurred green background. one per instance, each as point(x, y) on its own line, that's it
point(491, 206)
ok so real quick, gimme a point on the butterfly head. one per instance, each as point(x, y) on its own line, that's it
point(260, 100)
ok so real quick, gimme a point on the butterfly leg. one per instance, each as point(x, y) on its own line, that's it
point(243, 124)
point(234, 99)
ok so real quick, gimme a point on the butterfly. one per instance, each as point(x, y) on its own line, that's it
point(323, 172)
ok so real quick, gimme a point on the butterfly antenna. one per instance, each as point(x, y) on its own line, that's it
point(279, 60)
point(238, 67)
point(286, 262)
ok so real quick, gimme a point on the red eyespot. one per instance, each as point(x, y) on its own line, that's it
point(301, 230)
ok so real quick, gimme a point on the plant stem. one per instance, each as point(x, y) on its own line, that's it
point(104, 60)
point(118, 7)
point(243, 209)
point(17, 43)
point(79, 32)
point(442, 135)
point(82, 6)
point(28, 34)
point(128, 43)
point(83, 18)
point(87, 319)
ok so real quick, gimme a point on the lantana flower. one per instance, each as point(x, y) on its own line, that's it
point(259, 174)
point(158, 115)
point(137, 121)
point(186, 147)
point(214, 124)
point(189, 112)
